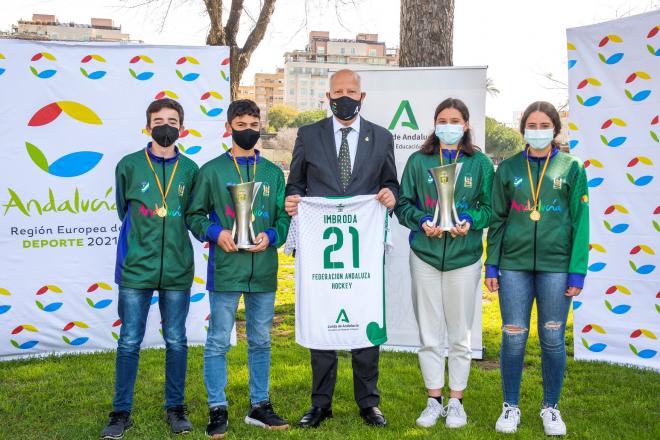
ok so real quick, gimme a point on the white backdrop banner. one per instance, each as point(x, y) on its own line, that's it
point(404, 100)
point(68, 113)
point(614, 84)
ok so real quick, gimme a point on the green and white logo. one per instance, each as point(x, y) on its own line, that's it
point(342, 317)
point(404, 106)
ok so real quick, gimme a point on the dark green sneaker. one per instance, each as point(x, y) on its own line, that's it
point(119, 423)
point(177, 418)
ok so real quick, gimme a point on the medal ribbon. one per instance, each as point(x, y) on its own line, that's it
point(535, 195)
point(458, 152)
point(254, 170)
point(160, 187)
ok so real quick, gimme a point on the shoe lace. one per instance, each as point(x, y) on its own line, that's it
point(456, 409)
point(554, 413)
point(180, 412)
point(510, 409)
point(116, 417)
point(434, 411)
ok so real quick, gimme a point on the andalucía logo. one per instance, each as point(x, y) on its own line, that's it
point(88, 61)
point(193, 149)
point(597, 347)
point(654, 124)
point(614, 57)
point(642, 180)
point(647, 353)
point(572, 127)
point(43, 59)
point(26, 345)
point(142, 76)
point(641, 95)
point(102, 304)
point(211, 98)
point(646, 268)
point(191, 76)
point(619, 227)
point(72, 326)
point(2, 69)
point(615, 141)
point(52, 307)
point(410, 120)
point(4, 308)
point(116, 324)
point(73, 164)
point(652, 33)
point(622, 308)
point(590, 164)
point(224, 74)
point(599, 265)
point(571, 61)
point(590, 100)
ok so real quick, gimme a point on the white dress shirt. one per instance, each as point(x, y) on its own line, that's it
point(352, 137)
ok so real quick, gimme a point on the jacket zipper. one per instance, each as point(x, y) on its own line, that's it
point(444, 250)
point(247, 167)
point(536, 224)
point(162, 241)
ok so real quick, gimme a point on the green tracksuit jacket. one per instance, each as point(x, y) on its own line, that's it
point(559, 241)
point(212, 210)
point(418, 198)
point(153, 252)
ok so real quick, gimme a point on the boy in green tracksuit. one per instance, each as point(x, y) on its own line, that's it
point(153, 253)
point(233, 273)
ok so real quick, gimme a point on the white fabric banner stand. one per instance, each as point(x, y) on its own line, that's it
point(404, 100)
point(68, 113)
point(614, 87)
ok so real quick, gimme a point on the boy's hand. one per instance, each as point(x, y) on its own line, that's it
point(225, 241)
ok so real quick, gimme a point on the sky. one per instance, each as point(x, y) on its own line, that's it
point(519, 40)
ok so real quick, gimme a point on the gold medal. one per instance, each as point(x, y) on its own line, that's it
point(162, 211)
point(535, 214)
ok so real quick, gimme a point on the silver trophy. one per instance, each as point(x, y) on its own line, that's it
point(445, 216)
point(243, 195)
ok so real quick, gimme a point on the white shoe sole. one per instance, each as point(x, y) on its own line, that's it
point(555, 433)
point(506, 430)
point(455, 425)
point(426, 424)
point(255, 422)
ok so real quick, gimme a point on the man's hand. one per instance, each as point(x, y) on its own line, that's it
point(573, 291)
point(291, 205)
point(492, 284)
point(262, 243)
point(432, 231)
point(225, 241)
point(386, 197)
point(460, 230)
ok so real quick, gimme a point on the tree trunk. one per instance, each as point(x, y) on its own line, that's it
point(220, 35)
point(427, 33)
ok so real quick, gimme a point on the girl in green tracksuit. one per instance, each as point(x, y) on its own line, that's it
point(538, 245)
point(446, 267)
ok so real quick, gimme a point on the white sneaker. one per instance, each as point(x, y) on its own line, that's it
point(509, 419)
point(431, 413)
point(552, 422)
point(456, 417)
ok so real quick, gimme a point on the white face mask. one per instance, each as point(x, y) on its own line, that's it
point(449, 134)
point(539, 139)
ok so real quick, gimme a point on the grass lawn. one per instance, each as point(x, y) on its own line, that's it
point(69, 397)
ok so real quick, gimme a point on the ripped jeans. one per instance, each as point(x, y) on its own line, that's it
point(517, 293)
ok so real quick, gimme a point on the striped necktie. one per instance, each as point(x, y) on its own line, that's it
point(344, 159)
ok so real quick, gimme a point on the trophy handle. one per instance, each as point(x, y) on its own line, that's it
point(435, 215)
point(233, 231)
point(252, 234)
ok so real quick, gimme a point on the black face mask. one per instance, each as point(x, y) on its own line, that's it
point(165, 135)
point(345, 107)
point(246, 139)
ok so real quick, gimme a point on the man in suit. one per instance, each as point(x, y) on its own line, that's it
point(344, 155)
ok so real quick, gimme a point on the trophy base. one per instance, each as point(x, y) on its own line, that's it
point(245, 246)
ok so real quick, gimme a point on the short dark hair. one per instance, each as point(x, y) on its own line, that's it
point(160, 104)
point(467, 147)
point(543, 107)
point(242, 107)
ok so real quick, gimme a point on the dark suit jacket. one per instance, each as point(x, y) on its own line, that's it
point(314, 167)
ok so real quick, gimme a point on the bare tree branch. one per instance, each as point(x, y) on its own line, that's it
point(162, 24)
point(233, 22)
point(259, 29)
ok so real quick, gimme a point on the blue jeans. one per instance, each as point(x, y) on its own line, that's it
point(517, 293)
point(259, 310)
point(133, 310)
